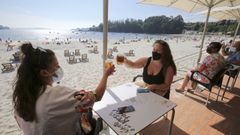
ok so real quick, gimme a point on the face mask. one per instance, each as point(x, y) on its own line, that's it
point(232, 49)
point(156, 55)
point(58, 75)
point(209, 50)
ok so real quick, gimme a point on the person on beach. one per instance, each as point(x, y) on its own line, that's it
point(158, 70)
point(233, 53)
point(41, 108)
point(211, 64)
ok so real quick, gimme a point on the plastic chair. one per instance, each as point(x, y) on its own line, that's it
point(209, 83)
point(232, 72)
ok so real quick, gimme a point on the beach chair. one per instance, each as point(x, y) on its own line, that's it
point(77, 52)
point(7, 67)
point(66, 53)
point(233, 73)
point(110, 54)
point(94, 50)
point(16, 57)
point(115, 49)
point(84, 58)
point(130, 53)
point(72, 59)
point(209, 83)
point(9, 47)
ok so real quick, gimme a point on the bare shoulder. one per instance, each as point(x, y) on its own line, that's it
point(170, 69)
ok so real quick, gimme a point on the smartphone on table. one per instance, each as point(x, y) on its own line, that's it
point(126, 109)
point(142, 90)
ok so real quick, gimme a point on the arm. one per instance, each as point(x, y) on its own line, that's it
point(224, 52)
point(202, 68)
point(236, 63)
point(160, 88)
point(140, 63)
point(103, 83)
point(205, 63)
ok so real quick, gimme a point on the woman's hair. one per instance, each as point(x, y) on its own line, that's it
point(216, 45)
point(167, 59)
point(29, 85)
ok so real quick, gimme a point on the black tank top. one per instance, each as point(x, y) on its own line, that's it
point(152, 79)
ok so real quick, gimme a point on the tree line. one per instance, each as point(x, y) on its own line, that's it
point(223, 26)
point(165, 25)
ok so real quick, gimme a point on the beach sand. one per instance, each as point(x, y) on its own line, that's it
point(87, 75)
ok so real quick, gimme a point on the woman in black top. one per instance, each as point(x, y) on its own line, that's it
point(158, 70)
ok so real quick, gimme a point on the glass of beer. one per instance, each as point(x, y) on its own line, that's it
point(120, 59)
point(108, 63)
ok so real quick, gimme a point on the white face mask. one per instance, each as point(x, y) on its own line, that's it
point(232, 49)
point(58, 75)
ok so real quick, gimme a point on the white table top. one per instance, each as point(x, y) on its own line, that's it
point(148, 108)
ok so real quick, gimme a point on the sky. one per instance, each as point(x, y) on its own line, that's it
point(68, 14)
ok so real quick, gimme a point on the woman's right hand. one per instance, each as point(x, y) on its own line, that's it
point(109, 70)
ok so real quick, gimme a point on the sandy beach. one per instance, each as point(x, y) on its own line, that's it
point(87, 75)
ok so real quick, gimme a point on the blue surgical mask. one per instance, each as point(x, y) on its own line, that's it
point(58, 75)
point(232, 49)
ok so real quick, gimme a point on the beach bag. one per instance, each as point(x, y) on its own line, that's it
point(96, 126)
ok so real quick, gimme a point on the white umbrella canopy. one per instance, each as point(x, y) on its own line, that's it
point(194, 6)
point(230, 13)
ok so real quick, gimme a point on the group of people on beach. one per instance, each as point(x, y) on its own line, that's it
point(42, 108)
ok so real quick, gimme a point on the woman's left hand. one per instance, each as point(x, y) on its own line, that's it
point(87, 98)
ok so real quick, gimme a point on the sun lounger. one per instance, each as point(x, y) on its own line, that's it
point(110, 54)
point(95, 50)
point(7, 67)
point(115, 49)
point(16, 57)
point(130, 53)
point(10, 47)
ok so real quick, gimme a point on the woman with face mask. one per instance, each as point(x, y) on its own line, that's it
point(41, 108)
point(211, 64)
point(158, 70)
point(233, 55)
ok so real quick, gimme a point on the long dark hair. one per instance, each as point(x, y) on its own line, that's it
point(167, 58)
point(29, 85)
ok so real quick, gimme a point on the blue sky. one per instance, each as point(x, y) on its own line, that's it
point(66, 14)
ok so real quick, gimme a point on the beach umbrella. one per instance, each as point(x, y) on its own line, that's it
point(228, 13)
point(194, 6)
point(105, 30)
